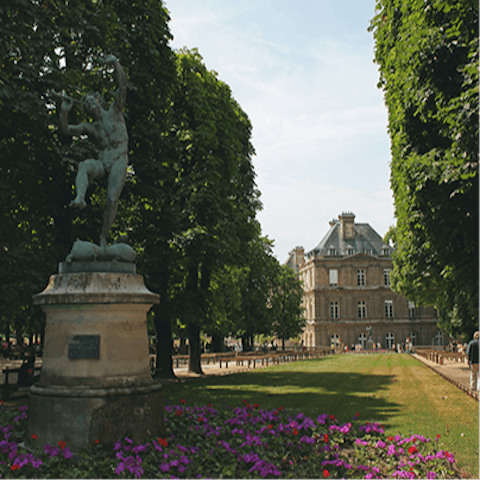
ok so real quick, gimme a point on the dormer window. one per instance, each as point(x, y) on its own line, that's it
point(332, 252)
point(367, 251)
point(385, 251)
point(350, 251)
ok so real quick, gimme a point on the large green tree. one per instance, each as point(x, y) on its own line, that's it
point(427, 52)
point(259, 274)
point(286, 304)
point(215, 195)
point(55, 44)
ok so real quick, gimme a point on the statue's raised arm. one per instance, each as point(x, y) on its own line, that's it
point(121, 94)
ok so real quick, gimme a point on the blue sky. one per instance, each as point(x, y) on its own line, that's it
point(303, 72)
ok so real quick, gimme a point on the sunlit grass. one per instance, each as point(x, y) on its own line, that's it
point(395, 390)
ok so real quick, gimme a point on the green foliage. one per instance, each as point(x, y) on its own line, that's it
point(427, 52)
point(214, 195)
point(286, 304)
point(56, 45)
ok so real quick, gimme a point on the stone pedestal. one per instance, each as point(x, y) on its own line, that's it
point(95, 381)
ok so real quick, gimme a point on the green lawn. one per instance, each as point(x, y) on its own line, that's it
point(395, 390)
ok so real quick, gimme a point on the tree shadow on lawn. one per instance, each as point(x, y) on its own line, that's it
point(342, 394)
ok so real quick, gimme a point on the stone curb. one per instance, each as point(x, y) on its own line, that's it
point(472, 393)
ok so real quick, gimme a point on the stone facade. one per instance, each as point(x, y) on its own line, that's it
point(347, 289)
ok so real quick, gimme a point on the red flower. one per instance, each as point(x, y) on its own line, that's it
point(331, 417)
point(163, 442)
point(280, 408)
point(209, 405)
point(326, 473)
point(295, 431)
point(256, 405)
point(270, 427)
point(325, 438)
point(244, 401)
point(179, 413)
point(183, 401)
point(35, 437)
point(201, 419)
point(248, 405)
point(412, 450)
point(275, 412)
point(97, 441)
point(61, 444)
point(414, 440)
point(390, 438)
point(15, 467)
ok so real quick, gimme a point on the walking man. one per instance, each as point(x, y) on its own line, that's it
point(472, 352)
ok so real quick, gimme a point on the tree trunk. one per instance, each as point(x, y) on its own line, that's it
point(283, 343)
point(218, 343)
point(164, 365)
point(194, 360)
point(7, 332)
point(182, 349)
point(244, 343)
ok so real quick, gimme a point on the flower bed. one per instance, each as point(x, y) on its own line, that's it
point(241, 442)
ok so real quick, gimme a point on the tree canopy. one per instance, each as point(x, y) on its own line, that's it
point(427, 52)
point(190, 201)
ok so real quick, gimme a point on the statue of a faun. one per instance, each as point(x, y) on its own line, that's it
point(109, 130)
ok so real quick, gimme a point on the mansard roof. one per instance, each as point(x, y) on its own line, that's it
point(366, 240)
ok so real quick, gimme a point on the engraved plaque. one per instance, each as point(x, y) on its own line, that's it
point(83, 346)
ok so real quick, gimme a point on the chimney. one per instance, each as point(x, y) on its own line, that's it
point(298, 255)
point(347, 231)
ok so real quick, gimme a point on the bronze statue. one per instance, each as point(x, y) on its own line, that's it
point(109, 130)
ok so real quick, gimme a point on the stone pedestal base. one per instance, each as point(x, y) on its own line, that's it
point(95, 382)
point(79, 416)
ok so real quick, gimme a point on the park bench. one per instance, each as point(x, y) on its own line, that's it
point(6, 389)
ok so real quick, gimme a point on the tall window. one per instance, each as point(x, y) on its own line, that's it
point(362, 340)
point(388, 308)
point(332, 252)
point(411, 310)
point(386, 277)
point(333, 274)
point(438, 339)
point(390, 340)
point(362, 310)
point(334, 310)
point(350, 251)
point(361, 277)
point(413, 338)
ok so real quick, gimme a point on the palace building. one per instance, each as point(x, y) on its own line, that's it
point(346, 280)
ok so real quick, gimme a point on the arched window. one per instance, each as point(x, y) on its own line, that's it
point(390, 340)
point(362, 340)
